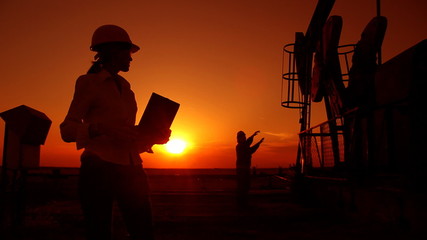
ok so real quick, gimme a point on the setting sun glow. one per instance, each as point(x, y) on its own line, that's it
point(176, 146)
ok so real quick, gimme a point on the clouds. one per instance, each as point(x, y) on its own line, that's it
point(282, 136)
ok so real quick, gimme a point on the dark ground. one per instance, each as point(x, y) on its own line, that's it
point(199, 206)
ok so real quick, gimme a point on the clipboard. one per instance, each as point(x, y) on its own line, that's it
point(158, 114)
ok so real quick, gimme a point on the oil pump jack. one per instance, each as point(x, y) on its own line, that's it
point(375, 124)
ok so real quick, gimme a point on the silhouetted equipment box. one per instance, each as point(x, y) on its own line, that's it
point(26, 129)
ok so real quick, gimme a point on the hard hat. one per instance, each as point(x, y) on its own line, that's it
point(109, 34)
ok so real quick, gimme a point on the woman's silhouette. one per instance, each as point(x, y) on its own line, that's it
point(101, 119)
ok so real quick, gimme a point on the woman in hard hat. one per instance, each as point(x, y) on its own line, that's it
point(101, 119)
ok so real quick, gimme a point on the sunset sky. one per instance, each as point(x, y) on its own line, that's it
point(220, 59)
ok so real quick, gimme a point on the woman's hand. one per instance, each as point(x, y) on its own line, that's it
point(161, 137)
point(146, 139)
point(119, 132)
point(153, 136)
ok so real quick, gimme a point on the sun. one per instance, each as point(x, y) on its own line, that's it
point(176, 146)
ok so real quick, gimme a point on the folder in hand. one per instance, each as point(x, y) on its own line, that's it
point(158, 114)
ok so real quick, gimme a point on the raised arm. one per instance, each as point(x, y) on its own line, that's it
point(256, 146)
point(250, 139)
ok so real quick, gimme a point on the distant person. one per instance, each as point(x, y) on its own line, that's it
point(244, 152)
point(101, 119)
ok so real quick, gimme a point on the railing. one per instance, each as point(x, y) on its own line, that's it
point(291, 96)
point(317, 146)
point(345, 53)
point(366, 140)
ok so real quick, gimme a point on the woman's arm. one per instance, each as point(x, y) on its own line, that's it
point(72, 128)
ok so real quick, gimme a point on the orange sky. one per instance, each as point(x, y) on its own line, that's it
point(220, 59)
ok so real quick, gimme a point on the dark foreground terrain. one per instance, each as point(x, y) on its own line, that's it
point(197, 204)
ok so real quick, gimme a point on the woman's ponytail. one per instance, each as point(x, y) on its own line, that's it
point(96, 65)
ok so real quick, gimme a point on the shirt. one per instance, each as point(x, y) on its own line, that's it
point(102, 98)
